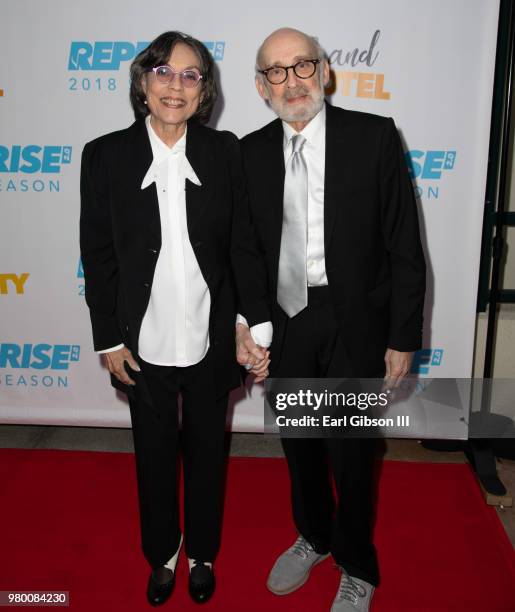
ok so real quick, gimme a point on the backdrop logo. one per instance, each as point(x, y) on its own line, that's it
point(80, 275)
point(102, 55)
point(425, 359)
point(429, 166)
point(13, 283)
point(354, 81)
point(216, 48)
point(33, 159)
point(43, 364)
point(110, 56)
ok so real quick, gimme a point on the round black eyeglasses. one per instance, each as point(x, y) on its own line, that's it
point(278, 74)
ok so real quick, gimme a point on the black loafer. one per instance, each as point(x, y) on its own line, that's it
point(202, 582)
point(157, 593)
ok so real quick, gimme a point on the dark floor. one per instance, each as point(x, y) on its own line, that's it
point(241, 444)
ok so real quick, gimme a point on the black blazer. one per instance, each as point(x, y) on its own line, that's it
point(373, 256)
point(120, 239)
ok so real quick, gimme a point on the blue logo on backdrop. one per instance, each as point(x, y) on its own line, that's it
point(110, 56)
point(33, 159)
point(102, 55)
point(425, 359)
point(217, 49)
point(429, 165)
point(80, 274)
point(38, 357)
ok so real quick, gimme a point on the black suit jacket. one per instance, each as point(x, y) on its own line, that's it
point(373, 256)
point(120, 239)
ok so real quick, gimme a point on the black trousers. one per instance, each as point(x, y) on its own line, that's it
point(154, 415)
point(313, 348)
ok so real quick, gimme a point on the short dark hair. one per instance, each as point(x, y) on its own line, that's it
point(158, 53)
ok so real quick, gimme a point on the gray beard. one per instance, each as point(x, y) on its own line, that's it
point(309, 110)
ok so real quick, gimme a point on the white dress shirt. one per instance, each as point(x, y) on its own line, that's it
point(314, 154)
point(175, 327)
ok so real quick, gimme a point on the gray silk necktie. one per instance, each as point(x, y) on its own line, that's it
point(292, 284)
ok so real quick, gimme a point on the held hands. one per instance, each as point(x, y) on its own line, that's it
point(115, 364)
point(248, 353)
point(398, 364)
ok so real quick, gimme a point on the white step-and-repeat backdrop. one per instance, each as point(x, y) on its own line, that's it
point(64, 80)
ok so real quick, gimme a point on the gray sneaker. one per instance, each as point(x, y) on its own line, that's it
point(291, 569)
point(353, 595)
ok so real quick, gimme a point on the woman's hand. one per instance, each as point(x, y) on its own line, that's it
point(255, 358)
point(115, 361)
point(260, 369)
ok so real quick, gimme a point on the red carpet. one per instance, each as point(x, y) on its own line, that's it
point(70, 522)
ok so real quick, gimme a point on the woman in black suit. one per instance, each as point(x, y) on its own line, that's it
point(169, 257)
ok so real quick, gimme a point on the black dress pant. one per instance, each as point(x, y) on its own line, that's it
point(313, 348)
point(154, 415)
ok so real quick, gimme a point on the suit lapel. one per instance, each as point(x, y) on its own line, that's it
point(200, 158)
point(337, 151)
point(140, 158)
point(275, 178)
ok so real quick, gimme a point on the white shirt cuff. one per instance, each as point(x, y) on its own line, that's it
point(241, 319)
point(261, 333)
point(114, 348)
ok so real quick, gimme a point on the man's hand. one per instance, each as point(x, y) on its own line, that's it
point(115, 364)
point(249, 353)
point(260, 370)
point(397, 366)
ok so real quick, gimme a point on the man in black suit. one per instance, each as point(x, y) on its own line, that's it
point(337, 223)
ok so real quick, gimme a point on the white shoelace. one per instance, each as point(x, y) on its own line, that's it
point(349, 589)
point(302, 547)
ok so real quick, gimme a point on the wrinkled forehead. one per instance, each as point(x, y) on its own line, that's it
point(286, 48)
